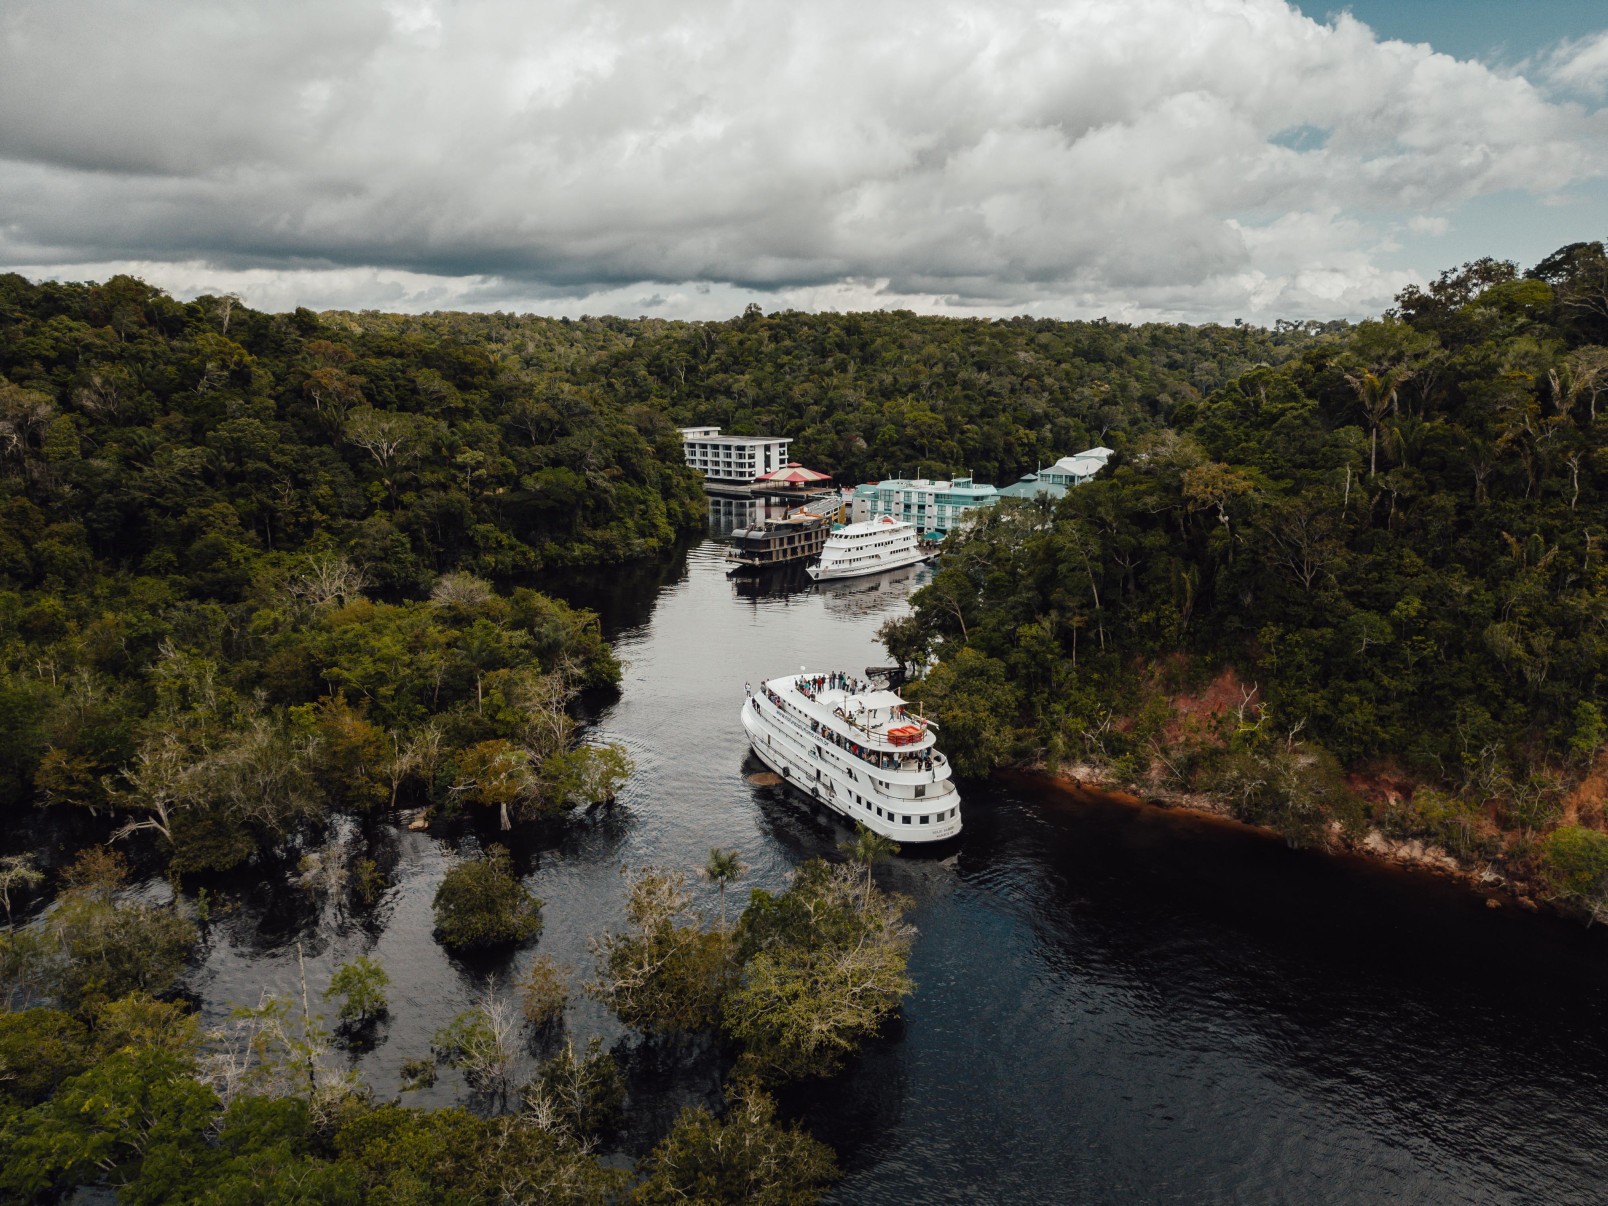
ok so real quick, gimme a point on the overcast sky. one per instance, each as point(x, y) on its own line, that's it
point(1176, 159)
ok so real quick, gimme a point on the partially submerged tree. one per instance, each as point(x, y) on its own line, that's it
point(823, 966)
point(277, 1048)
point(105, 948)
point(544, 991)
point(480, 903)
point(497, 774)
point(480, 1043)
point(581, 1095)
point(869, 848)
point(745, 1158)
point(360, 985)
point(667, 972)
point(585, 776)
point(722, 867)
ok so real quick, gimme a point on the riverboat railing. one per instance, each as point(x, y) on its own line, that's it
point(885, 760)
point(852, 686)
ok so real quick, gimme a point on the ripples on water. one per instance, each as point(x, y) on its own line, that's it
point(1115, 1004)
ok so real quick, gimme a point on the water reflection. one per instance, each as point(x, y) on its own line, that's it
point(1114, 1005)
point(623, 596)
point(874, 595)
point(728, 514)
point(772, 582)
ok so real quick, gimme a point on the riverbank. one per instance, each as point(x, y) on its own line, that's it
point(1413, 854)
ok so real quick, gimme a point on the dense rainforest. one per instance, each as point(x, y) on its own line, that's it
point(873, 395)
point(1361, 589)
point(232, 542)
point(258, 572)
point(261, 571)
point(258, 567)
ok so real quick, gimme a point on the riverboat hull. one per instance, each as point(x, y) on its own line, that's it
point(882, 801)
point(835, 573)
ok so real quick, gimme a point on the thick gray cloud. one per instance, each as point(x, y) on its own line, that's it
point(1175, 157)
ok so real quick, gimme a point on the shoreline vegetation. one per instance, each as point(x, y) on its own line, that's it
point(1358, 598)
point(265, 577)
point(1412, 855)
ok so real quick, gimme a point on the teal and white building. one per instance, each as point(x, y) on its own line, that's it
point(941, 506)
point(928, 506)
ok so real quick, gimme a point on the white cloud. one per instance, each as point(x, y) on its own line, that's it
point(978, 156)
point(1580, 65)
point(1428, 224)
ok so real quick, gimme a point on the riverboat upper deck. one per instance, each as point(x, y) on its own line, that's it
point(874, 725)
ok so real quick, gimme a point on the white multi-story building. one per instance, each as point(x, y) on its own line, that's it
point(731, 460)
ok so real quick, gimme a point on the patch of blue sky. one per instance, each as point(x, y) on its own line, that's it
point(1302, 138)
point(1493, 31)
point(1505, 34)
point(1511, 225)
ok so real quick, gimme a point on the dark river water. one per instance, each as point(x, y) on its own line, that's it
point(1115, 1003)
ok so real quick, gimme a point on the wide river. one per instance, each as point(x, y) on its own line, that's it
point(1115, 1004)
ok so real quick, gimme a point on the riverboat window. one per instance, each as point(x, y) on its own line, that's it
point(905, 820)
point(921, 790)
point(924, 820)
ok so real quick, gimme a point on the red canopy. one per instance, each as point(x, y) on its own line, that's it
point(794, 474)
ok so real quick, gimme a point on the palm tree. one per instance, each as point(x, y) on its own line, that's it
point(869, 848)
point(1377, 393)
point(722, 867)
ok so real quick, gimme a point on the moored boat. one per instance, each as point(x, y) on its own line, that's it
point(795, 537)
point(858, 750)
point(868, 548)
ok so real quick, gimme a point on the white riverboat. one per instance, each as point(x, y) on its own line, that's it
point(857, 750)
point(867, 548)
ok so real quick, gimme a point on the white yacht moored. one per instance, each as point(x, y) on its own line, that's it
point(857, 750)
point(867, 548)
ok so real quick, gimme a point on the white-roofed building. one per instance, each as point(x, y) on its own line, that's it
point(1060, 477)
point(1076, 469)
